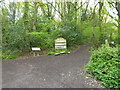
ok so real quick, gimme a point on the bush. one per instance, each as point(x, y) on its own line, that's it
point(103, 65)
point(40, 39)
point(9, 54)
point(14, 37)
point(72, 37)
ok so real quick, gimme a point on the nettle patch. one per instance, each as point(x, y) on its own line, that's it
point(104, 65)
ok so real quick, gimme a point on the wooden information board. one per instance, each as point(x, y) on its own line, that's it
point(60, 43)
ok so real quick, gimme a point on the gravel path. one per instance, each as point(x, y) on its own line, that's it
point(64, 71)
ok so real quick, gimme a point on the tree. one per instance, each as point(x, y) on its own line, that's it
point(118, 10)
point(116, 5)
point(25, 18)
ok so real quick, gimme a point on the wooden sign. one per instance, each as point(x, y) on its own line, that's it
point(60, 43)
point(36, 51)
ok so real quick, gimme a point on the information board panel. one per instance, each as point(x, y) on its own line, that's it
point(60, 43)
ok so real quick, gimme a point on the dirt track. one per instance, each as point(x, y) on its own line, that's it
point(64, 71)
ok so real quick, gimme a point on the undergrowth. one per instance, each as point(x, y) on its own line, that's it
point(104, 65)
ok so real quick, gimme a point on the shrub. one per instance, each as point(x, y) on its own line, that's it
point(14, 37)
point(9, 54)
point(40, 39)
point(72, 37)
point(103, 65)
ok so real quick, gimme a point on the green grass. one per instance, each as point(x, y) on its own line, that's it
point(5, 57)
point(53, 52)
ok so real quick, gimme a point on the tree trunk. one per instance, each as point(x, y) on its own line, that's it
point(25, 16)
point(12, 7)
point(118, 9)
point(100, 22)
point(35, 16)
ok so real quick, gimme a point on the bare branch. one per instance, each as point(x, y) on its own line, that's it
point(54, 8)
